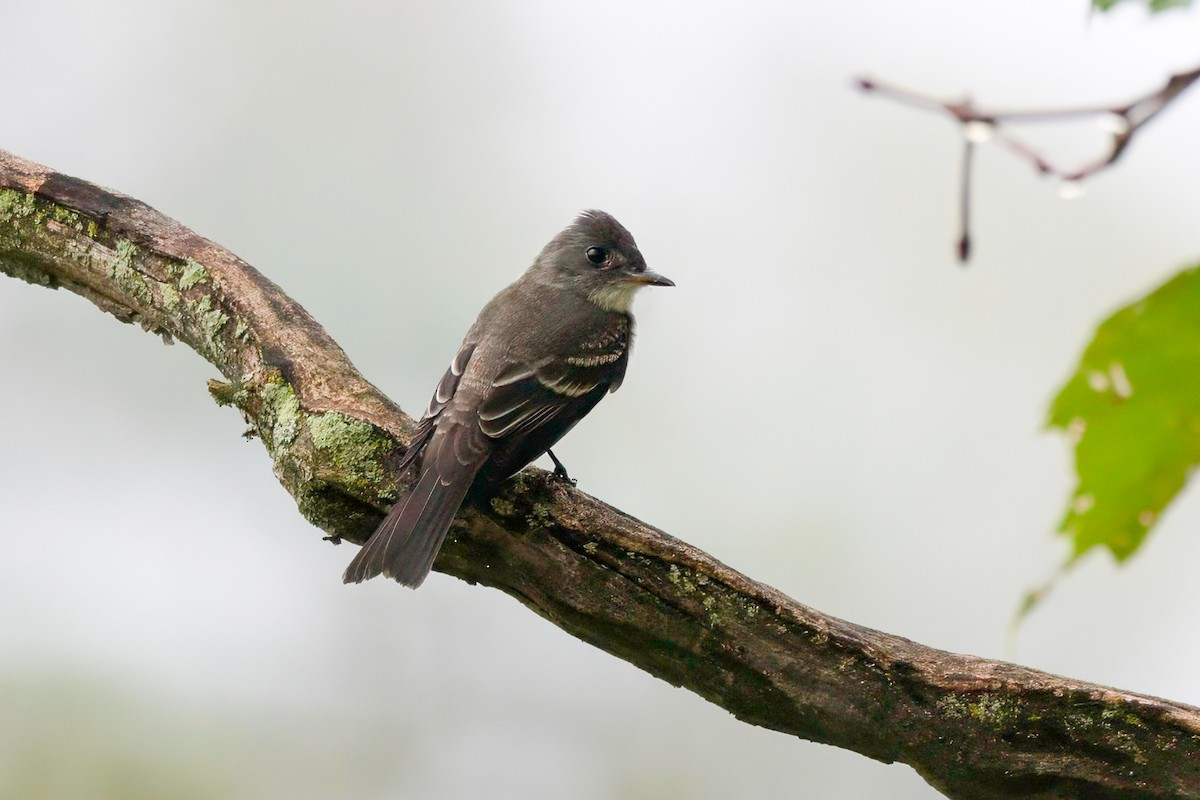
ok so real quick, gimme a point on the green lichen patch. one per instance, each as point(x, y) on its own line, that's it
point(503, 506)
point(211, 320)
point(125, 275)
point(121, 265)
point(282, 412)
point(355, 449)
point(957, 705)
point(44, 216)
point(998, 710)
point(540, 516)
point(228, 394)
point(26, 268)
point(66, 217)
point(680, 580)
point(1115, 725)
point(721, 604)
point(170, 298)
point(343, 516)
point(14, 204)
point(1118, 715)
point(193, 273)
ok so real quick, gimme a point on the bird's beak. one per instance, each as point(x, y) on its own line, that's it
point(650, 278)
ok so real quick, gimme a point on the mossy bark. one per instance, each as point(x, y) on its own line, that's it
point(973, 728)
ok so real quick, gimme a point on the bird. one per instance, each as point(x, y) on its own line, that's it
point(542, 353)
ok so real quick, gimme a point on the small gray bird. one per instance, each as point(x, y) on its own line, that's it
point(541, 354)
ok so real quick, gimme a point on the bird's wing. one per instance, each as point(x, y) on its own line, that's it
point(523, 397)
point(441, 396)
point(449, 383)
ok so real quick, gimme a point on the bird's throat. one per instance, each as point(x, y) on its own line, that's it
point(614, 297)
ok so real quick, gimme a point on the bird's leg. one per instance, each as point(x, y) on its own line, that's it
point(560, 471)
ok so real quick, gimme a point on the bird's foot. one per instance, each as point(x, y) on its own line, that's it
point(560, 471)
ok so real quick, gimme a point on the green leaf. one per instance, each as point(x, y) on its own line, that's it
point(1132, 408)
point(1154, 5)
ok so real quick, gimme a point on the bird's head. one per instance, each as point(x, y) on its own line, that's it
point(595, 257)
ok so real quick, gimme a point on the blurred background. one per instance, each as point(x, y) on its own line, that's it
point(827, 401)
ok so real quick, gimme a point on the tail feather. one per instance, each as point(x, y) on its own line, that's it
point(408, 540)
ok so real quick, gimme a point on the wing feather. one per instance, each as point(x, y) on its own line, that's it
point(448, 385)
point(523, 398)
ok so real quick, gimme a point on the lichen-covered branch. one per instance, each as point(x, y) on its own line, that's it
point(973, 728)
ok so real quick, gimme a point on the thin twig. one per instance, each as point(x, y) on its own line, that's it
point(964, 239)
point(1126, 120)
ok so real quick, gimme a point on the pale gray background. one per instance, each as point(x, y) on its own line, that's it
point(826, 401)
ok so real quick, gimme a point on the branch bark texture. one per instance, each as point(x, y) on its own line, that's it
point(973, 728)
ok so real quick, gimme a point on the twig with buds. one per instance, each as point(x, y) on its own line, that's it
point(979, 126)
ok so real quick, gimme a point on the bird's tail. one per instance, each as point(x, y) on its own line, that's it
point(405, 544)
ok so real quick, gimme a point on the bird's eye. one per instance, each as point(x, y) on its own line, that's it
point(597, 255)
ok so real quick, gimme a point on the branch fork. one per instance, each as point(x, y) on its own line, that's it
point(1121, 122)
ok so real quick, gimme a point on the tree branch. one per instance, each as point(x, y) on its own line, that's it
point(978, 126)
point(973, 728)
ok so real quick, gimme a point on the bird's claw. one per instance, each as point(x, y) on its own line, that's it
point(560, 472)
